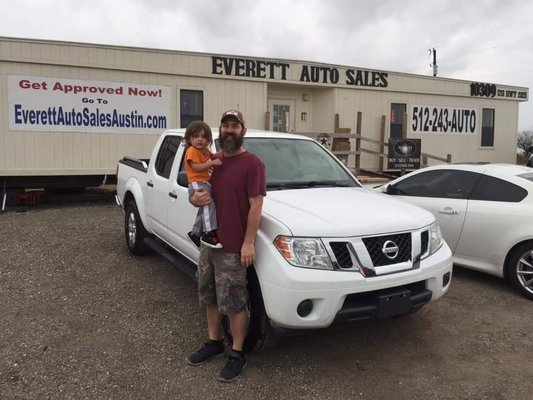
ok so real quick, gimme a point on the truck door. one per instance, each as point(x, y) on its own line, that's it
point(158, 186)
point(181, 213)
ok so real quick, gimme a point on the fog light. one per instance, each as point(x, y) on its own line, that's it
point(446, 279)
point(305, 308)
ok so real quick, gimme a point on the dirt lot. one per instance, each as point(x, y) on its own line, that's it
point(82, 319)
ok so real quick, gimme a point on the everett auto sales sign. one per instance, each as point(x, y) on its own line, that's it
point(274, 70)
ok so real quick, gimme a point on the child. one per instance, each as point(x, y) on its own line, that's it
point(198, 164)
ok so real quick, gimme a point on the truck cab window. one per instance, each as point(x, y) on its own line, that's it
point(166, 155)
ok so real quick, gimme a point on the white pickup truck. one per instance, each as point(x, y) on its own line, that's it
point(327, 248)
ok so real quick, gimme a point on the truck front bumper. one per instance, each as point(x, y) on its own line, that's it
point(299, 298)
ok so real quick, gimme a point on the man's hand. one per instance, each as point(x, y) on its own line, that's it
point(247, 255)
point(200, 198)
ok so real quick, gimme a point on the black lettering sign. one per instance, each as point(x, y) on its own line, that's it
point(482, 89)
point(249, 68)
point(366, 78)
point(316, 74)
point(442, 120)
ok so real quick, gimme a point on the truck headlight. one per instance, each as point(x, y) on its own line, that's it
point(435, 238)
point(303, 252)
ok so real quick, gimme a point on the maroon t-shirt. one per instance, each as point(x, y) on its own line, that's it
point(239, 178)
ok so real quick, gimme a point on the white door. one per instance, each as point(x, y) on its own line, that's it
point(181, 213)
point(444, 192)
point(158, 191)
point(281, 115)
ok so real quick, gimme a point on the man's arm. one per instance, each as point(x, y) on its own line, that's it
point(252, 226)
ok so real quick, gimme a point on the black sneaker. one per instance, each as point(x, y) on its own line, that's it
point(208, 351)
point(235, 364)
point(210, 239)
point(195, 239)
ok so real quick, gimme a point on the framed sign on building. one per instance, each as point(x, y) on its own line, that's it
point(404, 153)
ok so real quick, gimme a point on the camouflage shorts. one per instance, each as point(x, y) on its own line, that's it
point(222, 281)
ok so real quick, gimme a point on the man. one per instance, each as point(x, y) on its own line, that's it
point(238, 189)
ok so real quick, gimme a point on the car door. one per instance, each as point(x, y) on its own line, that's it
point(181, 213)
point(494, 213)
point(158, 186)
point(443, 192)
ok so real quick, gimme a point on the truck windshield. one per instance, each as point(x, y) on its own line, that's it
point(292, 164)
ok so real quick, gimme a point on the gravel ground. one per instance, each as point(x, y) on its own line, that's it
point(82, 319)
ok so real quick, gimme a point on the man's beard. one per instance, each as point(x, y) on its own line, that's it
point(230, 143)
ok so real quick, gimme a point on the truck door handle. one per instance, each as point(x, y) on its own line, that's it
point(173, 195)
point(149, 183)
point(449, 211)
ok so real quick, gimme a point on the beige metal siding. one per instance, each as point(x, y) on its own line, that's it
point(58, 153)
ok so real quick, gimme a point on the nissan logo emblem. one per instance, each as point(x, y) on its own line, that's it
point(390, 250)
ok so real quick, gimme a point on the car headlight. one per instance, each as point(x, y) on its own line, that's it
point(435, 238)
point(303, 252)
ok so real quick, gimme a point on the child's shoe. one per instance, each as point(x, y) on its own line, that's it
point(210, 239)
point(195, 239)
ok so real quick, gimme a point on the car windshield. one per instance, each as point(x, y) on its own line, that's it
point(294, 164)
point(528, 176)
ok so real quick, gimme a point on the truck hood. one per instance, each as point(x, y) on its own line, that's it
point(343, 212)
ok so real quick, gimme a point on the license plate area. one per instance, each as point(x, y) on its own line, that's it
point(393, 303)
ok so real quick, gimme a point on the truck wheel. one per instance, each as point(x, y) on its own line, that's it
point(260, 335)
point(520, 268)
point(134, 230)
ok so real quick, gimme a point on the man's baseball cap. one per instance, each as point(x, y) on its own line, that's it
point(233, 113)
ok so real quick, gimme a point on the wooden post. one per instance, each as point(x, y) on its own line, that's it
point(381, 160)
point(424, 161)
point(267, 120)
point(358, 143)
point(337, 122)
point(449, 158)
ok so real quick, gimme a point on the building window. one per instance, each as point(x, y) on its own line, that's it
point(396, 120)
point(487, 128)
point(191, 107)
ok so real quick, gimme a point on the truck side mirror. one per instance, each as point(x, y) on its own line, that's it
point(182, 179)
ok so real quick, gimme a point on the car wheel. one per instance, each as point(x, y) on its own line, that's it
point(134, 230)
point(520, 268)
point(260, 335)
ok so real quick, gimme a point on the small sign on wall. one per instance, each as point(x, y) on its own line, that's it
point(404, 153)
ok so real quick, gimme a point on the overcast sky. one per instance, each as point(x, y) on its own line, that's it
point(482, 40)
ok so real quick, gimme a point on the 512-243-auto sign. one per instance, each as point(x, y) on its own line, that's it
point(443, 120)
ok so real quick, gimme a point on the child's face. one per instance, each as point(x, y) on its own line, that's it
point(199, 140)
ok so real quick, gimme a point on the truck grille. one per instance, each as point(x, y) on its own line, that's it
point(374, 246)
point(342, 254)
point(424, 237)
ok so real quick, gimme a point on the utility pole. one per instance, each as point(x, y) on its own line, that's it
point(434, 65)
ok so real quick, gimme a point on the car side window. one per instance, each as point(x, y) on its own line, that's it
point(166, 155)
point(490, 188)
point(438, 183)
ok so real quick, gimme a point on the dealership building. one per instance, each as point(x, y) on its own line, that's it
point(70, 111)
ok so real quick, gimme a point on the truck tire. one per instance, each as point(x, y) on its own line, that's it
point(134, 230)
point(260, 335)
point(519, 268)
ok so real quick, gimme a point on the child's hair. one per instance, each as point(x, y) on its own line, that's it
point(194, 128)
